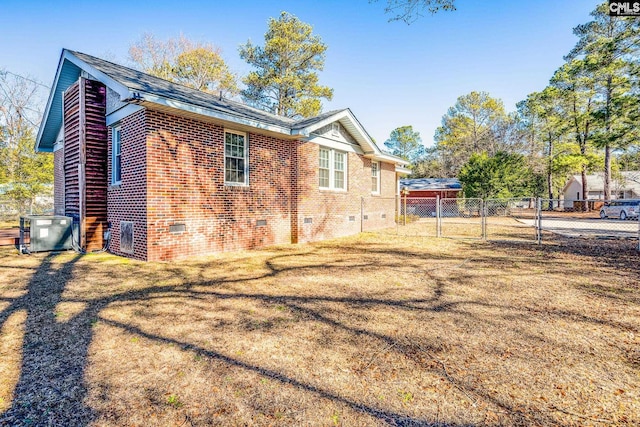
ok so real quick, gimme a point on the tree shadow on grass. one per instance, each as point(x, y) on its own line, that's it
point(51, 389)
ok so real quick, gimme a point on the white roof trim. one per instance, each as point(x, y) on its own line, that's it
point(332, 143)
point(121, 113)
point(322, 123)
point(402, 170)
point(388, 158)
point(361, 136)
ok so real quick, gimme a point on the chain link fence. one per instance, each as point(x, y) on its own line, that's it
point(461, 218)
point(522, 219)
point(511, 219)
point(616, 219)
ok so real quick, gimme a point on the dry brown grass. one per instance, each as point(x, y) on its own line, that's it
point(369, 330)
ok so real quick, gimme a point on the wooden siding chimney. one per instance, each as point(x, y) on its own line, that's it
point(85, 160)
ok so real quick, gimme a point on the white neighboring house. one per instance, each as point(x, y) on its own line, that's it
point(625, 186)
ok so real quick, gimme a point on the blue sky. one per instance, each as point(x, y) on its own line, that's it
point(389, 74)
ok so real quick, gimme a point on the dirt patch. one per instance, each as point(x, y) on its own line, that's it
point(367, 330)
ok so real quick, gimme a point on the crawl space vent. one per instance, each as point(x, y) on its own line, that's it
point(126, 237)
point(261, 223)
point(177, 228)
point(308, 220)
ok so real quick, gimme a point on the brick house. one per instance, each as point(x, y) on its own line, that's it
point(175, 172)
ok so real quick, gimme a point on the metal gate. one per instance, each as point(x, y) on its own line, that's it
point(461, 218)
point(511, 219)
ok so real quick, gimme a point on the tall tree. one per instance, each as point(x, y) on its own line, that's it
point(542, 116)
point(181, 60)
point(476, 123)
point(406, 143)
point(504, 175)
point(28, 173)
point(286, 80)
point(577, 92)
point(608, 47)
point(429, 165)
point(409, 11)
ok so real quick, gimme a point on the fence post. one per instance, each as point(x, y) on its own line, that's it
point(438, 215)
point(483, 219)
point(539, 220)
point(404, 213)
point(398, 209)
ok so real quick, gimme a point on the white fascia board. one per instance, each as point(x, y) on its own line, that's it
point(121, 113)
point(387, 158)
point(207, 112)
point(337, 145)
point(361, 136)
point(306, 131)
point(402, 170)
point(121, 89)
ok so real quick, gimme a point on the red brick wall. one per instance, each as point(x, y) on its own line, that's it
point(186, 187)
point(128, 201)
point(58, 182)
point(173, 175)
point(324, 214)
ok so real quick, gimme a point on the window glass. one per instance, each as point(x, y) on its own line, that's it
point(323, 171)
point(235, 158)
point(339, 170)
point(332, 169)
point(116, 162)
point(375, 177)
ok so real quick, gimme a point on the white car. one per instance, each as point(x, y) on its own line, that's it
point(623, 209)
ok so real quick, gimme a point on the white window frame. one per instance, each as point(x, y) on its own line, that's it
point(116, 155)
point(332, 169)
point(375, 177)
point(245, 158)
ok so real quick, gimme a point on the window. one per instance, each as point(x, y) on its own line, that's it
point(235, 158)
point(338, 171)
point(332, 169)
point(324, 169)
point(375, 177)
point(116, 157)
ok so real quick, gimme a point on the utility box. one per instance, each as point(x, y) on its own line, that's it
point(45, 233)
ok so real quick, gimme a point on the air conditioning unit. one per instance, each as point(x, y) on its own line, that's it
point(45, 233)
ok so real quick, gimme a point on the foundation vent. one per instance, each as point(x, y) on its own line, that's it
point(126, 237)
point(177, 228)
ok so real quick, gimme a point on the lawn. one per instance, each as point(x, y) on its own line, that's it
point(363, 331)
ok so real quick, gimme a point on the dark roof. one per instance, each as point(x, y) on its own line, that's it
point(143, 82)
point(431, 184)
point(136, 87)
